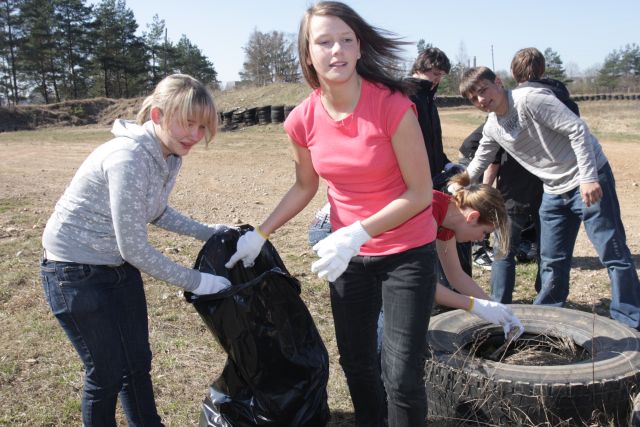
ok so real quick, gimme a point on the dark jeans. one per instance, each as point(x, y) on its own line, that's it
point(560, 218)
point(503, 268)
point(104, 313)
point(404, 286)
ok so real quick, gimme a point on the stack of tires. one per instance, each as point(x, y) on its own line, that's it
point(249, 116)
point(264, 115)
point(277, 113)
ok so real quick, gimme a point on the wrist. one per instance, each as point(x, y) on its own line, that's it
point(472, 303)
point(262, 234)
point(359, 233)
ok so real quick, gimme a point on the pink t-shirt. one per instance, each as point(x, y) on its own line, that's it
point(356, 159)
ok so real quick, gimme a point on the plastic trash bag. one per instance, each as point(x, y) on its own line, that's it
point(277, 366)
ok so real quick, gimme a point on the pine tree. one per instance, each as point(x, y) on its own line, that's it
point(75, 25)
point(120, 58)
point(154, 39)
point(621, 70)
point(554, 66)
point(39, 56)
point(189, 59)
point(10, 35)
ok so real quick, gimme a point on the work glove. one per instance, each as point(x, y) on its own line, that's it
point(336, 250)
point(497, 313)
point(247, 249)
point(211, 284)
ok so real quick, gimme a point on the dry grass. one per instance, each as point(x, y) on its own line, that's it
point(237, 179)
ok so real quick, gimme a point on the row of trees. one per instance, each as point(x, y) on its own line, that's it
point(54, 50)
point(619, 73)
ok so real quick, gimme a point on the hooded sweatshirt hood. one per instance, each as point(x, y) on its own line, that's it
point(143, 136)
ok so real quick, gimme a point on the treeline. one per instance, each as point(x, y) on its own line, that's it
point(619, 73)
point(56, 50)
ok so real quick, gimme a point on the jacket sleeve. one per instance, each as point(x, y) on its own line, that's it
point(483, 157)
point(128, 182)
point(174, 221)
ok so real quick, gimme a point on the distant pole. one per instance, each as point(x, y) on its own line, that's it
point(493, 64)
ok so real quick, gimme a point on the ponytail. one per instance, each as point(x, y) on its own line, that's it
point(488, 202)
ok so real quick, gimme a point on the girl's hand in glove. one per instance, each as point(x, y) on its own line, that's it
point(336, 250)
point(211, 284)
point(247, 249)
point(497, 313)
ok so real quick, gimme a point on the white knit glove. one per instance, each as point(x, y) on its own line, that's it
point(336, 250)
point(497, 313)
point(211, 284)
point(247, 249)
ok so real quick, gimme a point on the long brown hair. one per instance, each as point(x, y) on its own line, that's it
point(488, 202)
point(380, 49)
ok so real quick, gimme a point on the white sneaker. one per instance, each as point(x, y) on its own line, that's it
point(483, 260)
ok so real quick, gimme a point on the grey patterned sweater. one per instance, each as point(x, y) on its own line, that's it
point(121, 187)
point(545, 137)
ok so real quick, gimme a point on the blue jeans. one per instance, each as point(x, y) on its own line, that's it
point(319, 228)
point(503, 268)
point(103, 311)
point(404, 285)
point(560, 217)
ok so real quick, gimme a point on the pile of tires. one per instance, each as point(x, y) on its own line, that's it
point(264, 115)
point(277, 113)
point(249, 117)
point(463, 386)
point(239, 117)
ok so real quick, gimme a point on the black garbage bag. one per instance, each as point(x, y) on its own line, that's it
point(277, 366)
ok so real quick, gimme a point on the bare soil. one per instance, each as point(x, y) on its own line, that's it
point(238, 179)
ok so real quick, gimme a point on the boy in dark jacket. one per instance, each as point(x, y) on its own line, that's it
point(428, 69)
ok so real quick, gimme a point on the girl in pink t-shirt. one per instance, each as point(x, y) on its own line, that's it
point(359, 132)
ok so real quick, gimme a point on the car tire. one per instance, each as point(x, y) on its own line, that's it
point(463, 386)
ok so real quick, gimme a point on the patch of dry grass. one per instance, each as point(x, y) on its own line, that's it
point(238, 179)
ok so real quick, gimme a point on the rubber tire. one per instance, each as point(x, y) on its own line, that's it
point(462, 388)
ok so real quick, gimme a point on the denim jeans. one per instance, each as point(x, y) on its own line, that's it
point(404, 285)
point(103, 311)
point(503, 268)
point(319, 228)
point(560, 217)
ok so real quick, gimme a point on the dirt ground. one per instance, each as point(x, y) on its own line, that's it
point(238, 179)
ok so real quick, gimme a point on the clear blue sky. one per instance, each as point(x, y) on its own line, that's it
point(582, 32)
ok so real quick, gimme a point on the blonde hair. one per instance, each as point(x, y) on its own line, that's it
point(527, 64)
point(181, 97)
point(488, 202)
